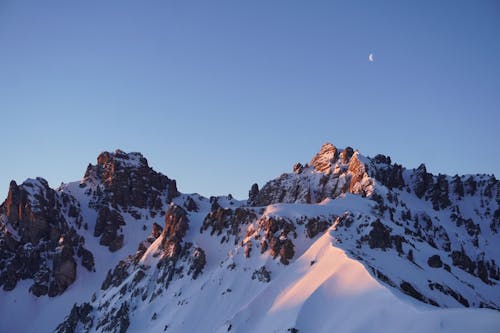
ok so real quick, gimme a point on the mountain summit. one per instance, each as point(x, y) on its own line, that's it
point(345, 242)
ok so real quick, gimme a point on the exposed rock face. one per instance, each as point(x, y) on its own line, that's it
point(107, 225)
point(423, 181)
point(129, 183)
point(330, 173)
point(435, 261)
point(122, 182)
point(64, 269)
point(390, 175)
point(315, 226)
point(36, 240)
point(379, 236)
point(439, 196)
point(198, 262)
point(176, 224)
point(34, 211)
point(262, 275)
point(326, 157)
point(253, 195)
point(78, 314)
point(231, 221)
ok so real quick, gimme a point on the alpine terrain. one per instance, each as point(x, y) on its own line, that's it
point(344, 243)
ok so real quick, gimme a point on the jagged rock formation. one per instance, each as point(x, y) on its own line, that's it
point(430, 237)
point(128, 182)
point(42, 228)
point(124, 183)
point(37, 242)
point(330, 173)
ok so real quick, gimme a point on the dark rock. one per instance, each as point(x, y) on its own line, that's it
point(298, 168)
point(198, 262)
point(315, 225)
point(439, 196)
point(253, 195)
point(262, 274)
point(45, 251)
point(156, 231)
point(87, 259)
point(470, 186)
point(448, 291)
point(389, 175)
point(435, 261)
point(107, 225)
point(346, 155)
point(116, 243)
point(39, 289)
point(129, 181)
point(379, 236)
point(408, 289)
point(79, 314)
point(176, 223)
point(462, 261)
point(191, 206)
point(64, 267)
point(423, 181)
point(286, 251)
point(458, 186)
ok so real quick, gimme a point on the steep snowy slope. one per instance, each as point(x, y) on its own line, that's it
point(337, 294)
point(345, 242)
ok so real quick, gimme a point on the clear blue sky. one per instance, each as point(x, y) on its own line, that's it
point(221, 94)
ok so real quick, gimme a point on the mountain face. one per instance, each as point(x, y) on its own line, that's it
point(344, 242)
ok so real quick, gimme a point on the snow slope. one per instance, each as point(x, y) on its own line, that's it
point(337, 293)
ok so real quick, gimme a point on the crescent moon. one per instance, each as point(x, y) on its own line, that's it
point(370, 57)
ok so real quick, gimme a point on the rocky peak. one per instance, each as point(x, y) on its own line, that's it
point(33, 210)
point(128, 181)
point(37, 241)
point(176, 223)
point(331, 172)
point(325, 158)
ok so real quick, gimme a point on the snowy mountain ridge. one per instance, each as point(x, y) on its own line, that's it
point(342, 237)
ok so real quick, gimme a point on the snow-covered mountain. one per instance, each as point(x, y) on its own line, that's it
point(344, 243)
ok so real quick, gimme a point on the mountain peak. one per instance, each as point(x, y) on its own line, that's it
point(121, 158)
point(324, 159)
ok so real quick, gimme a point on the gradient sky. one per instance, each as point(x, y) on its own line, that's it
point(221, 94)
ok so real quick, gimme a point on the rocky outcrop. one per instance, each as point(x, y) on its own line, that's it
point(390, 175)
point(128, 182)
point(262, 275)
point(225, 220)
point(439, 196)
point(423, 181)
point(379, 236)
point(37, 240)
point(198, 262)
point(107, 226)
point(124, 183)
point(253, 195)
point(315, 226)
point(326, 158)
point(34, 211)
point(435, 261)
point(78, 314)
point(331, 173)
